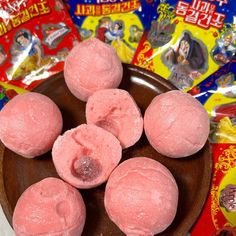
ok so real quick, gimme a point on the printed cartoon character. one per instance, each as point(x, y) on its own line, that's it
point(187, 61)
point(117, 29)
point(103, 31)
point(226, 85)
point(228, 198)
point(106, 31)
point(135, 34)
point(2, 56)
point(225, 49)
point(112, 33)
point(123, 50)
point(25, 41)
point(160, 33)
point(27, 56)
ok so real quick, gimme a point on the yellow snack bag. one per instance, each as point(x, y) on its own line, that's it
point(118, 23)
point(189, 41)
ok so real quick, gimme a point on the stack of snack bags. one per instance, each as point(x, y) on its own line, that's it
point(191, 43)
point(217, 93)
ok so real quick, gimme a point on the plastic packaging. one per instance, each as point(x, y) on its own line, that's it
point(189, 41)
point(119, 23)
point(218, 95)
point(219, 212)
point(35, 37)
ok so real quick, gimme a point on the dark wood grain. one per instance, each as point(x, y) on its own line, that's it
point(193, 174)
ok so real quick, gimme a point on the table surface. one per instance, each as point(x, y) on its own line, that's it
point(5, 227)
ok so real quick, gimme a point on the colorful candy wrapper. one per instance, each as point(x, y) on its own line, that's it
point(189, 41)
point(118, 23)
point(35, 37)
point(7, 92)
point(218, 217)
point(218, 95)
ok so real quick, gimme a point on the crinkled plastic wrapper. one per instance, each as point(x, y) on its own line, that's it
point(218, 217)
point(118, 23)
point(190, 40)
point(35, 37)
point(218, 95)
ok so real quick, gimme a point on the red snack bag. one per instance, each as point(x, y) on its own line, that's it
point(35, 37)
point(218, 217)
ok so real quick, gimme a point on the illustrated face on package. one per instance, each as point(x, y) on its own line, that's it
point(118, 23)
point(188, 41)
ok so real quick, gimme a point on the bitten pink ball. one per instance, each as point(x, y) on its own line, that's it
point(92, 65)
point(176, 124)
point(116, 111)
point(86, 155)
point(49, 207)
point(141, 197)
point(29, 124)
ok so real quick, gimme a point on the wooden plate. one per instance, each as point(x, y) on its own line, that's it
point(192, 174)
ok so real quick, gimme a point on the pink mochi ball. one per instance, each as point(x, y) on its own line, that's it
point(29, 124)
point(176, 124)
point(86, 155)
point(92, 65)
point(49, 207)
point(141, 197)
point(116, 111)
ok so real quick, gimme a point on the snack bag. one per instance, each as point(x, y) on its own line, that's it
point(35, 37)
point(218, 217)
point(118, 23)
point(218, 95)
point(7, 92)
point(189, 41)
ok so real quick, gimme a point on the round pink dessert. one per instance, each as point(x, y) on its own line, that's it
point(29, 124)
point(141, 197)
point(176, 124)
point(92, 65)
point(49, 207)
point(85, 156)
point(116, 111)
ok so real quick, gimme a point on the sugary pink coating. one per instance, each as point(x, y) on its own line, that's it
point(116, 111)
point(49, 207)
point(29, 124)
point(90, 66)
point(86, 155)
point(176, 124)
point(141, 197)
